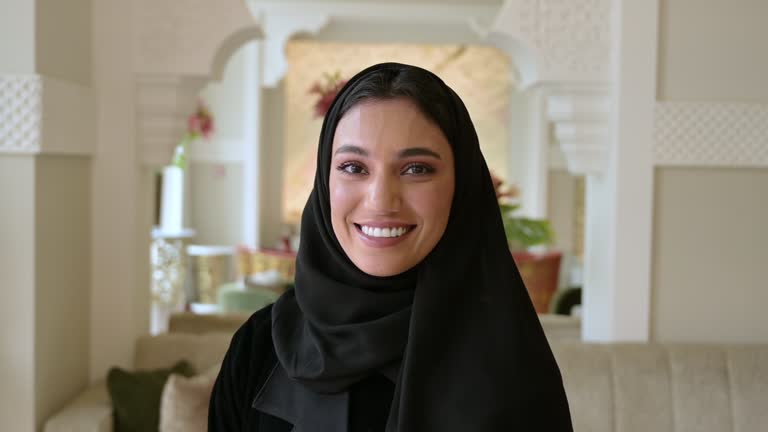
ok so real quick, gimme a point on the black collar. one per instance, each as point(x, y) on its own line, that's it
point(282, 397)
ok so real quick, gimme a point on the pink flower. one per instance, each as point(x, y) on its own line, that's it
point(327, 93)
point(201, 122)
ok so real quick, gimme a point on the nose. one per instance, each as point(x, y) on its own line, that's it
point(384, 194)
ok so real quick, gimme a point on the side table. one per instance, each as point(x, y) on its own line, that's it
point(168, 264)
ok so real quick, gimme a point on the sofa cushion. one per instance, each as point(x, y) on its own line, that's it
point(184, 404)
point(136, 396)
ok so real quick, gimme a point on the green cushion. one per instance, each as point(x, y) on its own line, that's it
point(136, 396)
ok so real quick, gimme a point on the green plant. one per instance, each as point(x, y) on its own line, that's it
point(521, 232)
point(524, 232)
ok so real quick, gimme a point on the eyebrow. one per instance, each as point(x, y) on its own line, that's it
point(411, 151)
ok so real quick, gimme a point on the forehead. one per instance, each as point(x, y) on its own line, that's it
point(392, 123)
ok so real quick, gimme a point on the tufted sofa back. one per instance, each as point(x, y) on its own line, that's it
point(665, 388)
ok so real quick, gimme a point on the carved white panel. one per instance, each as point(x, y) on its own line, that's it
point(21, 102)
point(183, 37)
point(711, 134)
point(570, 40)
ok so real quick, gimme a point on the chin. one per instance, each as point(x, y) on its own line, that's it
point(382, 271)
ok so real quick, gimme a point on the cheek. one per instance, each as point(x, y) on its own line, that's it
point(433, 204)
point(342, 198)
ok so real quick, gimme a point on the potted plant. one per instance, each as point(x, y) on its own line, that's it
point(540, 271)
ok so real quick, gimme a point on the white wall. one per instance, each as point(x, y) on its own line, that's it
point(63, 39)
point(710, 259)
point(44, 230)
point(217, 207)
point(713, 50)
point(120, 239)
point(226, 100)
point(217, 172)
point(709, 263)
point(17, 282)
point(62, 282)
point(17, 36)
point(44, 285)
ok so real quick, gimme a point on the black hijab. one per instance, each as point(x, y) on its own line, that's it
point(457, 333)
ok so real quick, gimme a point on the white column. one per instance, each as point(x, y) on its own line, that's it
point(608, 136)
point(252, 148)
point(623, 313)
point(529, 149)
point(116, 239)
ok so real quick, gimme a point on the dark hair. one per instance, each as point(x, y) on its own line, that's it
point(429, 93)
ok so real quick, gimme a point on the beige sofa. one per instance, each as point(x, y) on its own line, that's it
point(557, 327)
point(91, 411)
point(666, 388)
point(612, 387)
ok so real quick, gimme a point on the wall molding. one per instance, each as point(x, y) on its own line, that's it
point(43, 115)
point(163, 103)
point(711, 134)
point(581, 128)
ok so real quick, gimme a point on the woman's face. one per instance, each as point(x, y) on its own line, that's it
point(391, 184)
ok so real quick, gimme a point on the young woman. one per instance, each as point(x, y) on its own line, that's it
point(408, 314)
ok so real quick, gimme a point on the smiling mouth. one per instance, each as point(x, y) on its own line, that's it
point(389, 232)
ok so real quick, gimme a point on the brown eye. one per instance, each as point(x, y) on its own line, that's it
point(418, 169)
point(350, 168)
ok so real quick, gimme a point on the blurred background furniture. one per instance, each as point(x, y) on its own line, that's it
point(541, 274)
point(251, 261)
point(610, 387)
point(168, 262)
point(239, 297)
point(209, 268)
point(91, 410)
point(188, 322)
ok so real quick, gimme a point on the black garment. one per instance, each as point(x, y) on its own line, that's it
point(244, 371)
point(457, 333)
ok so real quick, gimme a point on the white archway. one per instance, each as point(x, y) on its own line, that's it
point(563, 52)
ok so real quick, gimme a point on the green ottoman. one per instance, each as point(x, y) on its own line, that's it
point(234, 297)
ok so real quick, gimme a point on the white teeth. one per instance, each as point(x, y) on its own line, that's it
point(383, 232)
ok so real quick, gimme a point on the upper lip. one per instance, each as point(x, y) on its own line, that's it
point(385, 224)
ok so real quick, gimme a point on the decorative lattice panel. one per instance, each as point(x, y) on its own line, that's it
point(711, 134)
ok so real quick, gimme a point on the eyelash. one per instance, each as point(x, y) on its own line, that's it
point(427, 169)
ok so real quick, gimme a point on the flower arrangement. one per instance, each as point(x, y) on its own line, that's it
point(521, 232)
point(199, 124)
point(326, 91)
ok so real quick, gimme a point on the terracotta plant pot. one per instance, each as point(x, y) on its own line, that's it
point(541, 273)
